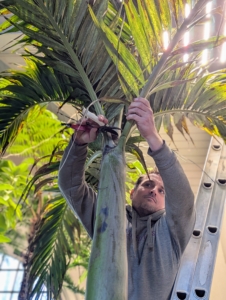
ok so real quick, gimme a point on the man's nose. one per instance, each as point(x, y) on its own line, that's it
point(153, 191)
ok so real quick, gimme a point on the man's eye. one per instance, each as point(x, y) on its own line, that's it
point(162, 191)
point(150, 185)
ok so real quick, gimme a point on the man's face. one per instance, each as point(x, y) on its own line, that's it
point(149, 196)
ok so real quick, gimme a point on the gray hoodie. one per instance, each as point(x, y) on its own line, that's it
point(154, 243)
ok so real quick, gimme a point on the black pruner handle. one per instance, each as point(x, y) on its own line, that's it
point(109, 129)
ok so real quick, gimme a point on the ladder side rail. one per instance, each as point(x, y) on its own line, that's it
point(207, 255)
point(184, 280)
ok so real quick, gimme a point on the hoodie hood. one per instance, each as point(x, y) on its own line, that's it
point(139, 224)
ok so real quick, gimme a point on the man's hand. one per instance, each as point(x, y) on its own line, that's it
point(90, 134)
point(140, 111)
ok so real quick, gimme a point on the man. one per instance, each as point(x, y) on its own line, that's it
point(161, 219)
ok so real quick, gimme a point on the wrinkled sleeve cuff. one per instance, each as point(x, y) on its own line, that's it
point(76, 149)
point(163, 157)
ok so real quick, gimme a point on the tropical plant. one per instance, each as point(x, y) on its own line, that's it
point(113, 52)
point(44, 213)
point(12, 183)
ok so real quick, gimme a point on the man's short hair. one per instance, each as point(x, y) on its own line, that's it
point(141, 178)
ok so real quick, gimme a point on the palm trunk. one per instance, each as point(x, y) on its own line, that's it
point(24, 289)
point(107, 276)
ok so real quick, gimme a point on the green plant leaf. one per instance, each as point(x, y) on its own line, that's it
point(4, 239)
point(4, 187)
point(3, 225)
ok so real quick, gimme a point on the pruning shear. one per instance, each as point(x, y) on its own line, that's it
point(86, 127)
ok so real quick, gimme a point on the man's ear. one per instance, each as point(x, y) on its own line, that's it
point(131, 194)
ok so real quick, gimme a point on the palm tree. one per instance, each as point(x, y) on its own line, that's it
point(111, 51)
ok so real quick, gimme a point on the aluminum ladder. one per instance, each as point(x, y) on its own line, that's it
point(194, 277)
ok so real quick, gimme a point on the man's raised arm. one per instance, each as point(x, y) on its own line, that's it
point(179, 198)
point(80, 197)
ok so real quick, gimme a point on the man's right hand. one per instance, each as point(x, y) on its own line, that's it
point(140, 111)
point(90, 134)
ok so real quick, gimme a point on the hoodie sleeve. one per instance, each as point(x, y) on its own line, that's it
point(179, 198)
point(80, 197)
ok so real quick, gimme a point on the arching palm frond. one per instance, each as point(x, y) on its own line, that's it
point(174, 85)
point(67, 38)
point(20, 92)
point(201, 100)
point(40, 134)
point(186, 91)
point(68, 43)
point(50, 250)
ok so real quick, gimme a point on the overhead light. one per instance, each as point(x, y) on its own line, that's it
point(186, 38)
point(205, 57)
point(223, 53)
point(207, 26)
point(208, 8)
point(223, 49)
point(187, 10)
point(185, 58)
point(165, 40)
point(207, 29)
point(187, 34)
